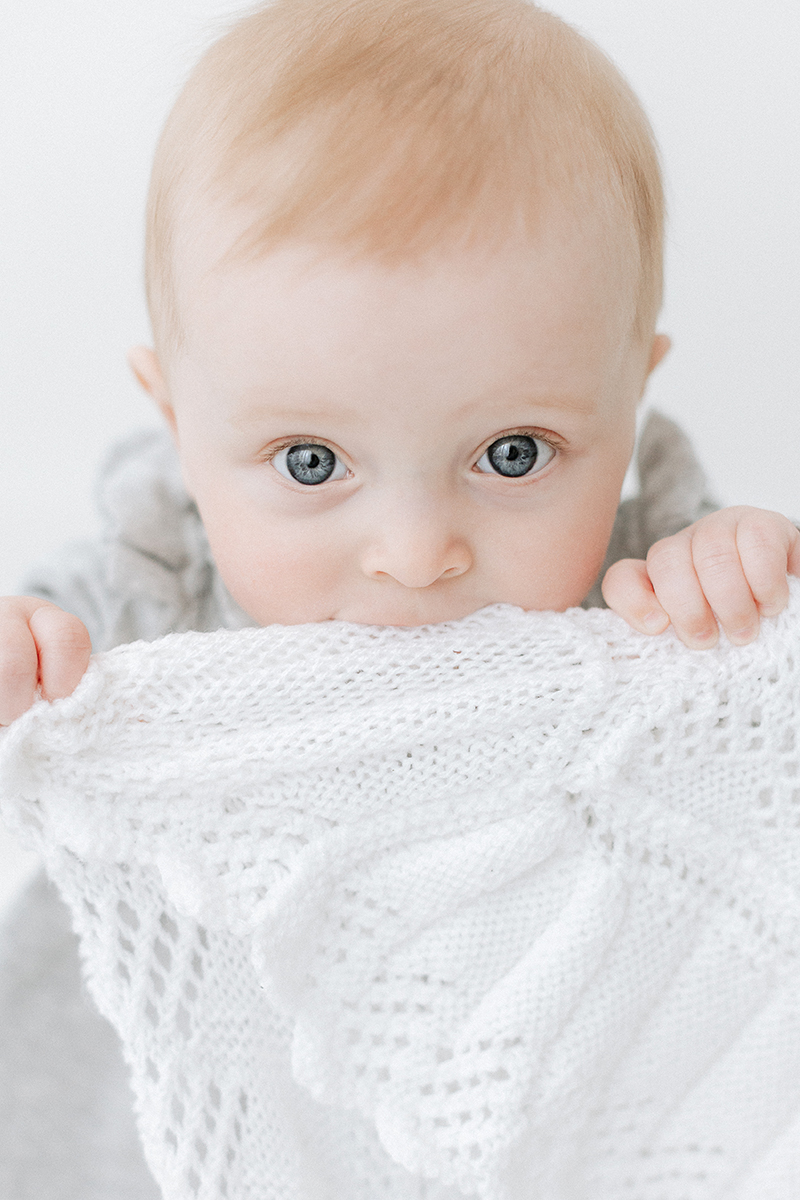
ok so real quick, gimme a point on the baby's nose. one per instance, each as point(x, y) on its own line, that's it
point(417, 545)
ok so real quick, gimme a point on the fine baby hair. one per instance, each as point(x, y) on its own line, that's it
point(385, 129)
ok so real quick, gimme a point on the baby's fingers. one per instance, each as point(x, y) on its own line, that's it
point(741, 556)
point(628, 592)
point(64, 649)
point(674, 567)
point(19, 664)
point(769, 547)
point(39, 645)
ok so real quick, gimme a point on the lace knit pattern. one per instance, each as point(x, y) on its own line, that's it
point(505, 908)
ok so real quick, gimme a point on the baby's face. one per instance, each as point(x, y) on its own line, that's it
point(407, 445)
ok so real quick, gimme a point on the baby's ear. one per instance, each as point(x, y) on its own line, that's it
point(660, 349)
point(147, 369)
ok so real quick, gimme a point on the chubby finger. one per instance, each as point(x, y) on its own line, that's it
point(769, 547)
point(724, 580)
point(671, 568)
point(63, 647)
point(628, 592)
point(19, 665)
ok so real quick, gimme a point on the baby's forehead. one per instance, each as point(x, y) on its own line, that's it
point(212, 245)
point(305, 324)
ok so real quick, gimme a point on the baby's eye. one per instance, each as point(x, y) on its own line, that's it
point(308, 462)
point(515, 454)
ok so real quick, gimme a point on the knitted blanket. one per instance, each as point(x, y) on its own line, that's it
point(506, 907)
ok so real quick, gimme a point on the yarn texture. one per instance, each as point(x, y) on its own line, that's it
point(503, 908)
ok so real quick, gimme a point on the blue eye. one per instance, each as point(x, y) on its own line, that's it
point(309, 463)
point(514, 455)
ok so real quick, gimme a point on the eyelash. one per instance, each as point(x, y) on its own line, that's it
point(299, 440)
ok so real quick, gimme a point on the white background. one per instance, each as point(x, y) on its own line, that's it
point(84, 88)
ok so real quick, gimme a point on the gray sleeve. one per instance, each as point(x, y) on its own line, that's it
point(673, 493)
point(151, 572)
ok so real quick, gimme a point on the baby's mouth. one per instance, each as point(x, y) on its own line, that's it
point(411, 611)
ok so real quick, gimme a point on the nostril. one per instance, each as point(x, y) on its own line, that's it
point(416, 562)
point(415, 577)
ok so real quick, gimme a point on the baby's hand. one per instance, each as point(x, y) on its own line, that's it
point(731, 565)
point(40, 645)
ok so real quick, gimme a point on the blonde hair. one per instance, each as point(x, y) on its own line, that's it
point(388, 126)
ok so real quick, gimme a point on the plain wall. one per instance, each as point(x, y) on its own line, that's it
point(84, 88)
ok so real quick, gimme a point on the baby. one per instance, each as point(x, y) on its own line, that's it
point(404, 269)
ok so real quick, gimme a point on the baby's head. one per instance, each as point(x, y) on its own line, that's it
point(404, 267)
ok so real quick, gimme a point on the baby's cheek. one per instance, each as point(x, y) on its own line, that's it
point(277, 580)
point(562, 569)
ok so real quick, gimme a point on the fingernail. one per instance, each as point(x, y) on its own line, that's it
point(655, 622)
point(742, 637)
point(705, 639)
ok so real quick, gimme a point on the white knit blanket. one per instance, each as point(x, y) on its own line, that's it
point(507, 907)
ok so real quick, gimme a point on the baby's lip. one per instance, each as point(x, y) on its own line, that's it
point(409, 616)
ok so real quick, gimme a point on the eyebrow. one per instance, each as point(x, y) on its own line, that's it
point(565, 404)
point(559, 404)
point(256, 413)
